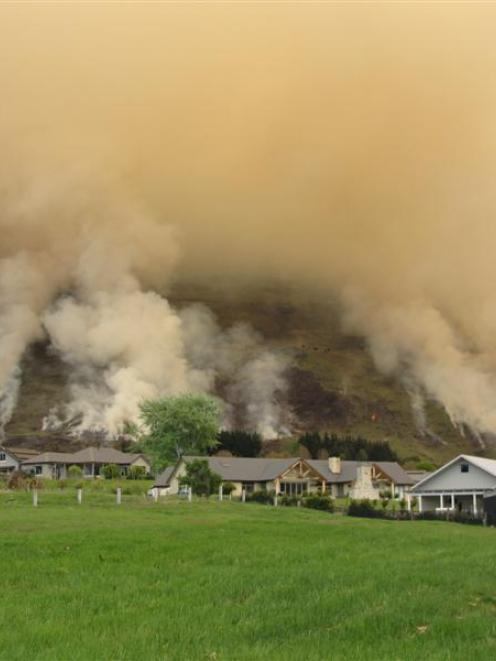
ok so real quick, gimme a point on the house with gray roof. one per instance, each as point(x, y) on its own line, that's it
point(296, 476)
point(460, 485)
point(12, 458)
point(91, 460)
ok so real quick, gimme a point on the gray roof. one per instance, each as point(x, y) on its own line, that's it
point(163, 480)
point(395, 472)
point(488, 465)
point(347, 474)
point(85, 456)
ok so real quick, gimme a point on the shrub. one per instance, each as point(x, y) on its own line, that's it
point(18, 480)
point(363, 508)
point(289, 501)
point(317, 502)
point(136, 473)
point(110, 471)
point(200, 478)
point(75, 472)
point(261, 496)
point(62, 484)
point(228, 488)
point(403, 504)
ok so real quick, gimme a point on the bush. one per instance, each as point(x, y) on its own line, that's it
point(261, 496)
point(317, 502)
point(62, 484)
point(136, 473)
point(110, 471)
point(289, 501)
point(18, 480)
point(228, 488)
point(363, 508)
point(75, 472)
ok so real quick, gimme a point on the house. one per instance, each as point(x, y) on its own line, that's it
point(12, 458)
point(55, 465)
point(296, 476)
point(458, 485)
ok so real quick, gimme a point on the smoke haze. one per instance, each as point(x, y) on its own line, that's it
point(346, 151)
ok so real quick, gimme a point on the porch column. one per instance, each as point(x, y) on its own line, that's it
point(323, 486)
point(474, 498)
point(408, 502)
point(452, 501)
point(420, 503)
point(392, 489)
point(278, 485)
point(441, 500)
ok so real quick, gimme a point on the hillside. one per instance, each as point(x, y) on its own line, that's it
point(332, 382)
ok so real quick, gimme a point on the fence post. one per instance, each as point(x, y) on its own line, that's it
point(118, 496)
point(190, 494)
point(155, 495)
point(80, 496)
point(275, 501)
point(221, 492)
point(35, 497)
point(243, 496)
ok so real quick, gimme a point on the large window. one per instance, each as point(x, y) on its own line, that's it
point(293, 488)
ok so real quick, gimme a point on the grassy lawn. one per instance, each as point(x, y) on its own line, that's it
point(232, 581)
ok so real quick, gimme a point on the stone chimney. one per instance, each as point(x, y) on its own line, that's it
point(335, 465)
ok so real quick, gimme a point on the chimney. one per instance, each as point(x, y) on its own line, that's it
point(335, 465)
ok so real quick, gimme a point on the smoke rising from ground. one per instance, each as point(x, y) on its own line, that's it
point(348, 151)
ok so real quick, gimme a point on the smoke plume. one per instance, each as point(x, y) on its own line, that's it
point(347, 151)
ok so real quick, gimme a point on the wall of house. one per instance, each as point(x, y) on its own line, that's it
point(453, 478)
point(8, 464)
point(140, 461)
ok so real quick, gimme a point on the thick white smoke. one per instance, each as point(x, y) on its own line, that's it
point(101, 312)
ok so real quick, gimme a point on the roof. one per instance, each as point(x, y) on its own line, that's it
point(86, 456)
point(163, 480)
point(49, 458)
point(248, 469)
point(393, 470)
point(20, 453)
point(488, 465)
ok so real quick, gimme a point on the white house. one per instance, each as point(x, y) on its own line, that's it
point(458, 485)
point(12, 458)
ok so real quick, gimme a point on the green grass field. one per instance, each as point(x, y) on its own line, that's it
point(176, 580)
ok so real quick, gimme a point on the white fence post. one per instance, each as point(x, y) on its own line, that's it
point(221, 492)
point(275, 501)
point(35, 497)
point(155, 495)
point(243, 496)
point(80, 496)
point(118, 496)
point(190, 494)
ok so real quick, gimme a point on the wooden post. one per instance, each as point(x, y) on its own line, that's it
point(155, 495)
point(221, 492)
point(275, 500)
point(118, 497)
point(79, 496)
point(243, 495)
point(190, 494)
point(35, 497)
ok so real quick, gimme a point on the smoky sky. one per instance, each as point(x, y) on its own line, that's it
point(347, 150)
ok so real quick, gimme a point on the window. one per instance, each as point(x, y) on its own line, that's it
point(3, 456)
point(38, 470)
point(293, 488)
point(464, 468)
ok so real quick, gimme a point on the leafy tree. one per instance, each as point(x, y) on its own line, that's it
point(240, 443)
point(75, 472)
point(200, 478)
point(110, 471)
point(136, 473)
point(426, 466)
point(184, 424)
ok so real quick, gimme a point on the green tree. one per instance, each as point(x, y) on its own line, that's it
point(200, 478)
point(75, 472)
point(184, 424)
point(110, 471)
